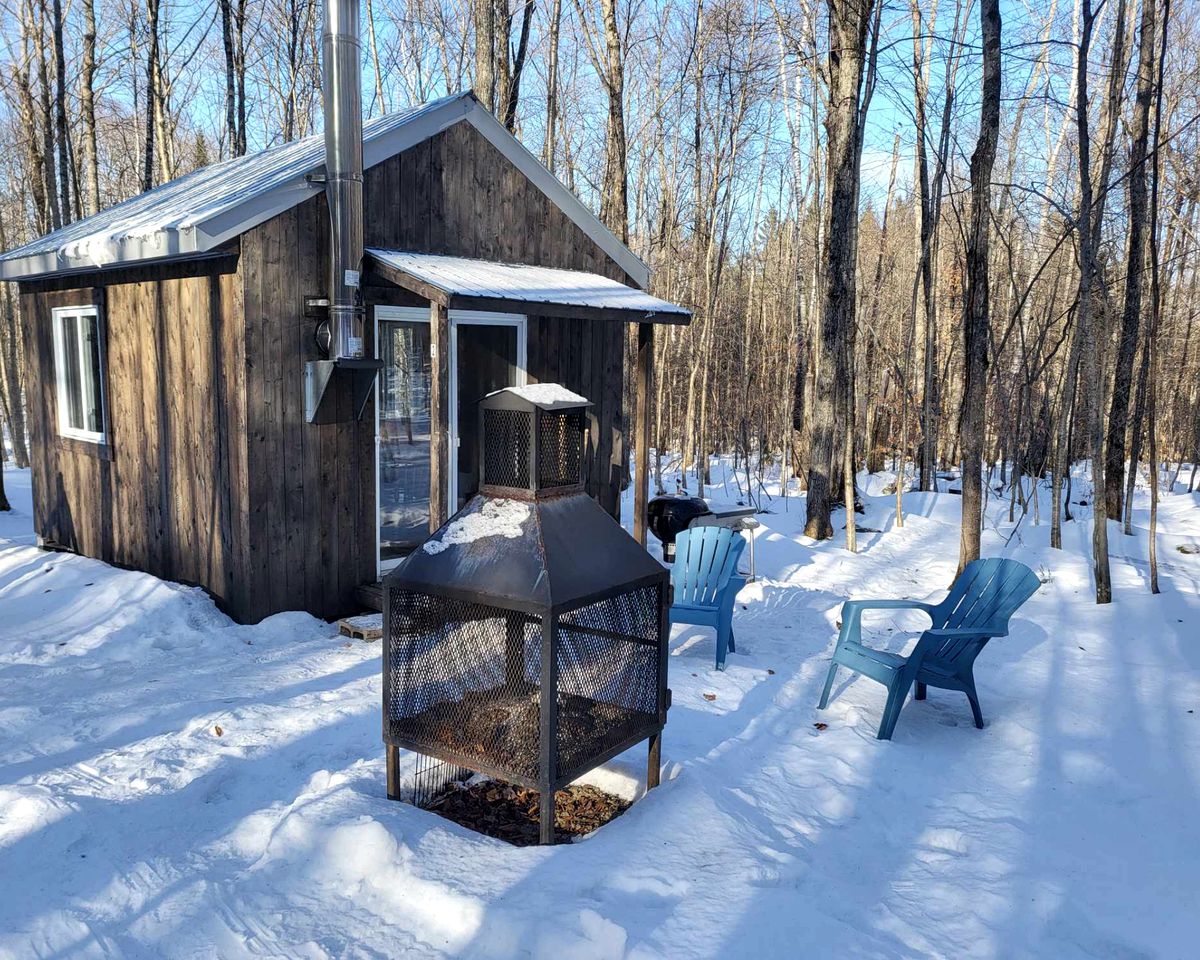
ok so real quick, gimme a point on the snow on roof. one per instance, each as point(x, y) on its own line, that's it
point(460, 276)
point(545, 394)
point(196, 213)
point(496, 518)
point(201, 210)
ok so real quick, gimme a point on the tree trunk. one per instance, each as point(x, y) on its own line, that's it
point(1091, 357)
point(548, 147)
point(151, 93)
point(849, 21)
point(1118, 415)
point(976, 305)
point(60, 116)
point(485, 50)
point(47, 124)
point(87, 106)
point(512, 74)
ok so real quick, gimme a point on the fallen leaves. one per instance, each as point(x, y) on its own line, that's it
point(511, 813)
point(218, 731)
point(821, 726)
point(710, 697)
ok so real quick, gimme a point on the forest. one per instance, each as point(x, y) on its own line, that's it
point(957, 238)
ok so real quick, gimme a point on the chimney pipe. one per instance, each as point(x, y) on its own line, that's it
point(342, 99)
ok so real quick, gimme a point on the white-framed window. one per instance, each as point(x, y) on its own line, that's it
point(79, 373)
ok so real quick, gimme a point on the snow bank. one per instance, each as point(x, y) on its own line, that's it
point(175, 785)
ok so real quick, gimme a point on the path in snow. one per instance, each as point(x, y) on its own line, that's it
point(1067, 828)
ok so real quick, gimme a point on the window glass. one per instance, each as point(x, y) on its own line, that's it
point(91, 375)
point(79, 372)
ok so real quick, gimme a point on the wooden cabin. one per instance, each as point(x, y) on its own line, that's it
point(168, 338)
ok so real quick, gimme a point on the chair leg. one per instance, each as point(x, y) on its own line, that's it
point(828, 686)
point(722, 646)
point(732, 645)
point(975, 711)
point(897, 694)
point(920, 694)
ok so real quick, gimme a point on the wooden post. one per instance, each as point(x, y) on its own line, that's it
point(548, 731)
point(439, 416)
point(641, 429)
point(393, 772)
point(654, 761)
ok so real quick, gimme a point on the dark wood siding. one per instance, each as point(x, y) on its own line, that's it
point(458, 195)
point(213, 476)
point(312, 488)
point(167, 494)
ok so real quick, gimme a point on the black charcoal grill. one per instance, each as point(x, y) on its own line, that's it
point(526, 639)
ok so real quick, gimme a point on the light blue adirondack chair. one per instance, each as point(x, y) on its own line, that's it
point(706, 582)
point(977, 608)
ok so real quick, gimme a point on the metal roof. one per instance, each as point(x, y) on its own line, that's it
point(463, 282)
point(196, 213)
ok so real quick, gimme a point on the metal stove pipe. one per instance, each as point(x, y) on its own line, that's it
point(342, 99)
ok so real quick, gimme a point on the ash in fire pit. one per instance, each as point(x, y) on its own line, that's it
point(511, 813)
point(513, 652)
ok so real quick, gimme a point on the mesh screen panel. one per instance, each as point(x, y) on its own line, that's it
point(506, 436)
point(607, 659)
point(560, 448)
point(464, 677)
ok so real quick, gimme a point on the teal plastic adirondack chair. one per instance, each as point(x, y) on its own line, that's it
point(706, 582)
point(981, 601)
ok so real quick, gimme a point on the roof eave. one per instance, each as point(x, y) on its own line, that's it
point(175, 242)
point(172, 244)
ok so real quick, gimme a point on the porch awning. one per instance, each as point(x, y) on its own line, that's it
point(460, 283)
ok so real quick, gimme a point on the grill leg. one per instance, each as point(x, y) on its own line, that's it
point(654, 762)
point(393, 772)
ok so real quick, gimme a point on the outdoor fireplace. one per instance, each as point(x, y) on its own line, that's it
point(526, 639)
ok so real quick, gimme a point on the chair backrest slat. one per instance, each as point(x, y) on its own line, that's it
point(705, 557)
point(988, 592)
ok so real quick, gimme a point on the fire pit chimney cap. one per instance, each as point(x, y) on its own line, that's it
point(544, 396)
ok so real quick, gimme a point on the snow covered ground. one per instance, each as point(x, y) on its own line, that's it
point(175, 785)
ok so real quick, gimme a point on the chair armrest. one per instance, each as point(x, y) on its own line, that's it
point(852, 611)
point(889, 605)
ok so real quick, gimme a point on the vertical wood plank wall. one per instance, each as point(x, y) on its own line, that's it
point(215, 478)
point(167, 495)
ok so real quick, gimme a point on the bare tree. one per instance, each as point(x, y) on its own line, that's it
point(233, 36)
point(485, 50)
point(849, 21)
point(1091, 359)
point(87, 107)
point(976, 298)
point(1118, 415)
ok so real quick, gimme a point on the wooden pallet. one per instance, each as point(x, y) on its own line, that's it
point(368, 626)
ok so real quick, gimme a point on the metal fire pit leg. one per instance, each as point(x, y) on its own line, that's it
point(393, 772)
point(548, 716)
point(654, 761)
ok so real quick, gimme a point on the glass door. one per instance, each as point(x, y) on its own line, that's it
point(402, 430)
point(488, 354)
